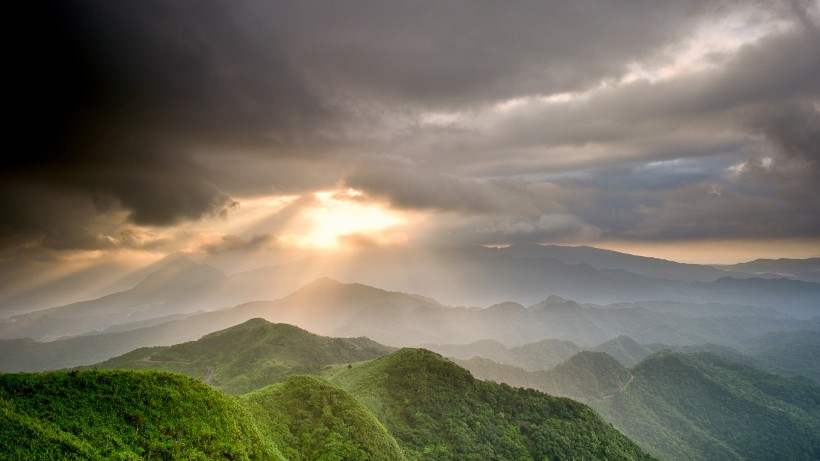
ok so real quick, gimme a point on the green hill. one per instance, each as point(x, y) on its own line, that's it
point(129, 415)
point(586, 376)
point(541, 355)
point(787, 353)
point(701, 406)
point(625, 350)
point(685, 406)
point(411, 404)
point(437, 410)
point(312, 418)
point(251, 355)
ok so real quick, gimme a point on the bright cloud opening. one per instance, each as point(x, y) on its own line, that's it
point(340, 215)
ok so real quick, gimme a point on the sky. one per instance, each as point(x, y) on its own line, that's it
point(251, 132)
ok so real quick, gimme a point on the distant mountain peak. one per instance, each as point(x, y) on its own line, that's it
point(555, 302)
point(507, 306)
point(555, 299)
point(325, 281)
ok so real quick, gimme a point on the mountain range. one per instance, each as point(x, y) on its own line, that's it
point(418, 405)
point(398, 319)
point(684, 406)
point(677, 357)
point(474, 276)
point(407, 404)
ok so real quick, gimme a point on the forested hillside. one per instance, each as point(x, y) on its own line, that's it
point(102, 415)
point(437, 410)
point(685, 406)
point(251, 355)
point(408, 404)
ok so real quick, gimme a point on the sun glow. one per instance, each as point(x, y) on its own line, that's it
point(340, 216)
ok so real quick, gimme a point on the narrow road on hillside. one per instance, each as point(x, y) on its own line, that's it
point(623, 388)
point(209, 376)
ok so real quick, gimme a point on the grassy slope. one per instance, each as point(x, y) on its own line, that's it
point(123, 415)
point(700, 406)
point(101, 415)
point(312, 418)
point(693, 406)
point(251, 355)
point(437, 410)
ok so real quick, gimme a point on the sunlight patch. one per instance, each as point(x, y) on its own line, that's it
point(342, 216)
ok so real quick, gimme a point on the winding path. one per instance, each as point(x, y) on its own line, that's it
point(623, 388)
point(209, 376)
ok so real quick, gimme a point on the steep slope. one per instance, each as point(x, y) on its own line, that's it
point(437, 410)
point(312, 418)
point(251, 355)
point(700, 406)
point(102, 415)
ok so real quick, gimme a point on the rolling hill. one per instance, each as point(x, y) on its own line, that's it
point(409, 404)
point(100, 415)
point(685, 406)
point(716, 409)
point(251, 355)
point(314, 420)
point(437, 410)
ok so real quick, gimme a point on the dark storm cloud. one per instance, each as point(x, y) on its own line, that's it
point(114, 101)
point(792, 170)
point(167, 111)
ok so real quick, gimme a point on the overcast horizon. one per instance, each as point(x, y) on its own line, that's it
point(251, 133)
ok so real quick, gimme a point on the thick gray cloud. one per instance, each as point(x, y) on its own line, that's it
point(445, 54)
point(410, 185)
point(159, 112)
point(115, 101)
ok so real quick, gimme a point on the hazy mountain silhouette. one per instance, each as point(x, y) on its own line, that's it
point(469, 276)
point(807, 270)
point(398, 319)
point(146, 300)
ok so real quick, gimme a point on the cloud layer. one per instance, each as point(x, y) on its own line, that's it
point(500, 122)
